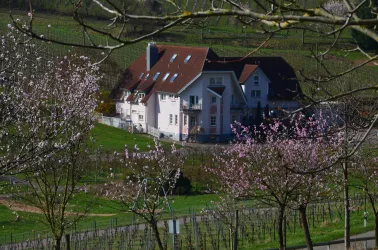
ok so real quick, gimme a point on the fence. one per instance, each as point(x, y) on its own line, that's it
point(126, 125)
point(153, 131)
point(256, 226)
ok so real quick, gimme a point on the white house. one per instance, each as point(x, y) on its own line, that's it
point(191, 92)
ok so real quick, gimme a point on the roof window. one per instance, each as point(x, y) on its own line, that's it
point(173, 57)
point(156, 76)
point(148, 74)
point(141, 76)
point(166, 76)
point(187, 58)
point(174, 77)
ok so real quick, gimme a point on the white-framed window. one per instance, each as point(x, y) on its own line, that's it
point(256, 93)
point(156, 76)
point(176, 119)
point(148, 74)
point(213, 99)
point(170, 118)
point(141, 95)
point(192, 120)
point(219, 80)
point(174, 77)
point(166, 76)
point(141, 117)
point(256, 79)
point(173, 57)
point(187, 58)
point(163, 97)
point(213, 120)
point(134, 111)
point(171, 96)
point(193, 99)
point(185, 120)
point(216, 80)
point(141, 76)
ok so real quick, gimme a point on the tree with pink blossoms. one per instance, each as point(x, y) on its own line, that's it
point(365, 171)
point(268, 163)
point(151, 177)
point(46, 104)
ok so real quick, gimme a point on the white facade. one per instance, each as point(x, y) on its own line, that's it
point(204, 109)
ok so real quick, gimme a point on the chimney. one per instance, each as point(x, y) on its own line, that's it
point(152, 55)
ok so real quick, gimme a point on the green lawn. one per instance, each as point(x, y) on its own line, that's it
point(115, 139)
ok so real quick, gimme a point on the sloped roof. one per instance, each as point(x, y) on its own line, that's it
point(185, 71)
point(217, 90)
point(247, 72)
point(284, 84)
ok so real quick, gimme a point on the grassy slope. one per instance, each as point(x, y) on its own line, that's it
point(115, 139)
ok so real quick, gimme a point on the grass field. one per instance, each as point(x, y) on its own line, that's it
point(115, 139)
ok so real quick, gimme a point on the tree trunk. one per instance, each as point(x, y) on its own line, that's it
point(302, 211)
point(346, 207)
point(376, 229)
point(57, 243)
point(157, 235)
point(281, 212)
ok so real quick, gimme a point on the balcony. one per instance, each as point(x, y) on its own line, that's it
point(237, 106)
point(191, 107)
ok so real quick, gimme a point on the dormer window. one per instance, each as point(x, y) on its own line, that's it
point(187, 58)
point(156, 76)
point(173, 57)
point(141, 95)
point(174, 77)
point(166, 76)
point(256, 80)
point(148, 74)
point(141, 76)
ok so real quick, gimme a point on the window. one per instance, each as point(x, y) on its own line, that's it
point(170, 118)
point(141, 118)
point(141, 76)
point(141, 95)
point(213, 120)
point(187, 58)
point(171, 96)
point(174, 77)
point(216, 80)
point(176, 119)
point(166, 76)
point(193, 99)
point(163, 97)
point(213, 99)
point(156, 76)
point(185, 120)
point(256, 80)
point(256, 93)
point(147, 76)
point(192, 121)
point(173, 57)
point(219, 80)
point(134, 111)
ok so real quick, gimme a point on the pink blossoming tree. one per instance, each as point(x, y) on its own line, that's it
point(266, 165)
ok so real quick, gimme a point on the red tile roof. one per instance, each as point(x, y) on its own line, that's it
point(284, 83)
point(247, 71)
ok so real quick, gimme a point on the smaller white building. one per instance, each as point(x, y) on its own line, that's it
point(191, 93)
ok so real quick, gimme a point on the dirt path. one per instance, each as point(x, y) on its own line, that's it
point(20, 207)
